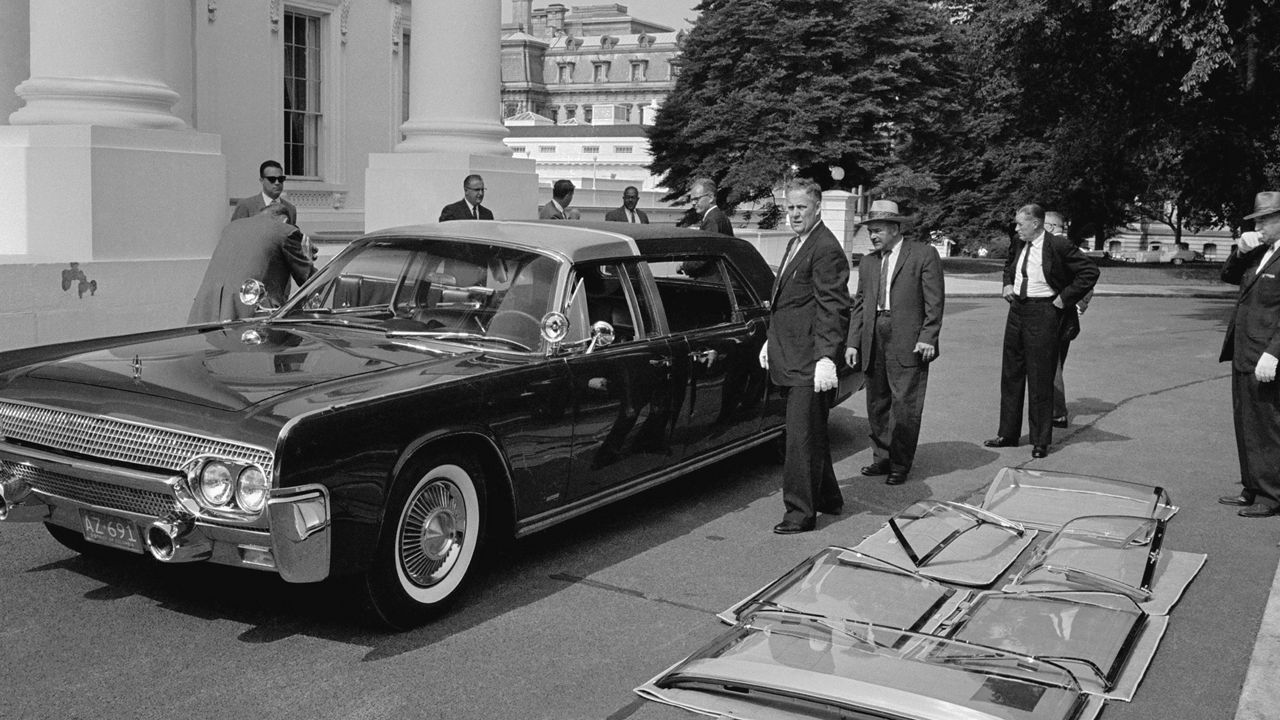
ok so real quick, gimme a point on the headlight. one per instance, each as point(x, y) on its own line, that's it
point(251, 489)
point(215, 483)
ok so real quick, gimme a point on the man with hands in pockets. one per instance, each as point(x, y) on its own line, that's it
point(809, 318)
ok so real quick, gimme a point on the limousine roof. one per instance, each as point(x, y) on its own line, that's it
point(579, 241)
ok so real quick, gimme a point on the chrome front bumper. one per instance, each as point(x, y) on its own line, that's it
point(40, 486)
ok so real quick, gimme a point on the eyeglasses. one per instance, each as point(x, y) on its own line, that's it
point(479, 189)
point(696, 198)
point(273, 179)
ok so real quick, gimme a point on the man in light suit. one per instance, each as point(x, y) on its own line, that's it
point(469, 207)
point(1252, 345)
point(1044, 277)
point(558, 208)
point(703, 194)
point(628, 212)
point(272, 177)
point(263, 247)
point(893, 333)
point(808, 322)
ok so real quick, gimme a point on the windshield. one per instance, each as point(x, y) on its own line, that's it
point(460, 291)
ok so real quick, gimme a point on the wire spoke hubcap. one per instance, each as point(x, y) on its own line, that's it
point(433, 533)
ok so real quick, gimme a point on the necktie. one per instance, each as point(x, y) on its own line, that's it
point(632, 213)
point(884, 280)
point(1026, 258)
point(475, 211)
point(786, 256)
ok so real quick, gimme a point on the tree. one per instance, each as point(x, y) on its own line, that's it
point(768, 88)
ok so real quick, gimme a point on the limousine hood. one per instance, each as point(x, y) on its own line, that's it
point(234, 367)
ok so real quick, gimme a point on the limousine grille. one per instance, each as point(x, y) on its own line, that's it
point(93, 492)
point(118, 440)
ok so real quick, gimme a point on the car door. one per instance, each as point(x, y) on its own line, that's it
point(719, 323)
point(622, 392)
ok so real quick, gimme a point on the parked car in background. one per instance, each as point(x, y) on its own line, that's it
point(429, 392)
point(1176, 256)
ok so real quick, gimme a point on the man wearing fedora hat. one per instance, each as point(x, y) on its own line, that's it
point(893, 334)
point(1045, 276)
point(1252, 344)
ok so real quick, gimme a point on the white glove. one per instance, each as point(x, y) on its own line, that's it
point(764, 355)
point(824, 376)
point(1249, 240)
point(1266, 369)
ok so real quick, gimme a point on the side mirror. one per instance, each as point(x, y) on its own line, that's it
point(254, 294)
point(601, 335)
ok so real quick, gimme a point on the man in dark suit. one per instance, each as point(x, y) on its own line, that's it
point(628, 212)
point(558, 208)
point(263, 247)
point(809, 319)
point(469, 207)
point(703, 194)
point(893, 332)
point(1056, 224)
point(272, 177)
point(1044, 277)
point(1252, 345)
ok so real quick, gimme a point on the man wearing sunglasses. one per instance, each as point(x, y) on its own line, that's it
point(271, 175)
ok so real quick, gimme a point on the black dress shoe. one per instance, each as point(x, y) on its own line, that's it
point(1001, 441)
point(1259, 511)
point(1039, 451)
point(1060, 422)
point(879, 467)
point(831, 509)
point(790, 527)
point(895, 478)
point(1244, 499)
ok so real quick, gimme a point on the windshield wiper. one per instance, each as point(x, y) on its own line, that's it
point(457, 335)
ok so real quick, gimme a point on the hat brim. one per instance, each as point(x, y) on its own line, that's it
point(891, 218)
point(1272, 211)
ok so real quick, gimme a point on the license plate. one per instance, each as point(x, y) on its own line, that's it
point(110, 530)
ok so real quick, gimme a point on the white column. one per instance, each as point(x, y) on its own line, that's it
point(97, 62)
point(455, 80)
point(454, 127)
point(15, 54)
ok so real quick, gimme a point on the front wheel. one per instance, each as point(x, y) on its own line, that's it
point(1177, 261)
point(432, 536)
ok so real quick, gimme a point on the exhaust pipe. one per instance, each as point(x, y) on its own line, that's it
point(17, 504)
point(170, 539)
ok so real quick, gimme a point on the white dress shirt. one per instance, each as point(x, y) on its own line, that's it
point(1037, 285)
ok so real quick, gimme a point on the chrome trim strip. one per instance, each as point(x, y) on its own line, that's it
point(605, 497)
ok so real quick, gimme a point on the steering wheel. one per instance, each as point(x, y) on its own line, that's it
point(534, 324)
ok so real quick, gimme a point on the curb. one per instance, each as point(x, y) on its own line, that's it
point(1260, 695)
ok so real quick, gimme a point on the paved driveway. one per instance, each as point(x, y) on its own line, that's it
point(576, 617)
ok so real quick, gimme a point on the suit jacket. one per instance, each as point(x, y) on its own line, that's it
point(1255, 325)
point(252, 205)
point(620, 215)
point(259, 247)
point(461, 211)
point(916, 298)
point(1068, 271)
point(716, 221)
point(549, 212)
point(809, 312)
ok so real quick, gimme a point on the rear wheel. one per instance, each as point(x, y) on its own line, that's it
point(1177, 261)
point(433, 535)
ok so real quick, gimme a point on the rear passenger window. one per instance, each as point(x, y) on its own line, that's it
point(695, 292)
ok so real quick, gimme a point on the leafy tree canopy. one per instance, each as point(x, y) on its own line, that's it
point(771, 87)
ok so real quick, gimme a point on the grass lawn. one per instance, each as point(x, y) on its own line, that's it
point(1118, 273)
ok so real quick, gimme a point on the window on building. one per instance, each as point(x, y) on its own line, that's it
point(546, 148)
point(565, 73)
point(622, 149)
point(601, 72)
point(509, 109)
point(639, 70)
point(517, 149)
point(404, 79)
point(588, 114)
point(302, 87)
point(591, 149)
